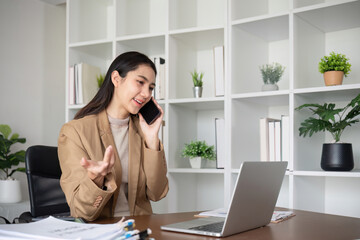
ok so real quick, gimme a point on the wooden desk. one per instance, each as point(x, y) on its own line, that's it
point(305, 225)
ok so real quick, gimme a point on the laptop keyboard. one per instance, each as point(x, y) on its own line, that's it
point(212, 227)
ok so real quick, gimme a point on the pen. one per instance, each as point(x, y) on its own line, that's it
point(128, 235)
point(141, 235)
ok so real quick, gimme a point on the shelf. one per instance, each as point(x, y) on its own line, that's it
point(90, 43)
point(245, 140)
point(282, 94)
point(76, 107)
point(262, 41)
point(352, 174)
point(90, 20)
point(189, 51)
point(319, 31)
point(199, 103)
point(296, 34)
point(301, 5)
point(96, 54)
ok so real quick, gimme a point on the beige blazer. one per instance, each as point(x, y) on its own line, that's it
point(88, 137)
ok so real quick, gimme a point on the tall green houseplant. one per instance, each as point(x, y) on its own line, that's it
point(10, 159)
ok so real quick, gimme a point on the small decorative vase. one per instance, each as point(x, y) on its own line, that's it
point(10, 191)
point(197, 162)
point(197, 92)
point(270, 87)
point(337, 157)
point(333, 78)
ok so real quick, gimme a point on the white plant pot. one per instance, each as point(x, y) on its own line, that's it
point(197, 162)
point(269, 87)
point(10, 191)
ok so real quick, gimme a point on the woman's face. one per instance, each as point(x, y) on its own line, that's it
point(134, 90)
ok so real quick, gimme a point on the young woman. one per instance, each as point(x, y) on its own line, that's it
point(112, 161)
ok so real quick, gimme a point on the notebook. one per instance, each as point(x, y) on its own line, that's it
point(252, 204)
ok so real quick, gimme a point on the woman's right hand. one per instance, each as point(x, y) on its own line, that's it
point(97, 170)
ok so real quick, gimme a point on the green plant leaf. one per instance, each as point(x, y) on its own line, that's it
point(329, 119)
point(5, 130)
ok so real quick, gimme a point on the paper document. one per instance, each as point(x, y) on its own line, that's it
point(277, 216)
point(55, 229)
point(221, 212)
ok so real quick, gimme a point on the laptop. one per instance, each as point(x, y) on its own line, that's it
point(252, 204)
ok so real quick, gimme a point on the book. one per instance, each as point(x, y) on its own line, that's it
point(272, 141)
point(219, 70)
point(285, 138)
point(71, 86)
point(267, 139)
point(277, 140)
point(87, 82)
point(159, 92)
point(220, 142)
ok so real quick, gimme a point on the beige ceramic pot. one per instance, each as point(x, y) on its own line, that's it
point(333, 78)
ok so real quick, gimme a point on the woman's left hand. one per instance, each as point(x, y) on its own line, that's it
point(151, 132)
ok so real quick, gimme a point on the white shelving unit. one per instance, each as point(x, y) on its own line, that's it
point(295, 33)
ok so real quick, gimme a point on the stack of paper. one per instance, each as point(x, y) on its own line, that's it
point(55, 229)
point(277, 216)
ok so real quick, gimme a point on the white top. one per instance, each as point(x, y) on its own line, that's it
point(120, 131)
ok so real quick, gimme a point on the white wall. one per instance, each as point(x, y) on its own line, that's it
point(32, 71)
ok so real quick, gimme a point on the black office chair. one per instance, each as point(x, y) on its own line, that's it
point(43, 175)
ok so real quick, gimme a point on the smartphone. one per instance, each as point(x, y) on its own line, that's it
point(150, 112)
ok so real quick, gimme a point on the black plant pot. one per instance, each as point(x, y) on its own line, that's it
point(337, 157)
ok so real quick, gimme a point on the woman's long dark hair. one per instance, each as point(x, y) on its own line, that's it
point(124, 63)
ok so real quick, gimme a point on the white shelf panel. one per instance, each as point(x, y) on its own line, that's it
point(260, 94)
point(199, 103)
point(140, 36)
point(193, 170)
point(328, 94)
point(270, 28)
point(301, 5)
point(76, 107)
point(332, 17)
point(200, 38)
point(334, 89)
point(89, 43)
point(351, 174)
point(195, 29)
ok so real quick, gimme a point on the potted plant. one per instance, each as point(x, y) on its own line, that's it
point(336, 156)
point(198, 83)
point(198, 152)
point(334, 67)
point(271, 74)
point(9, 187)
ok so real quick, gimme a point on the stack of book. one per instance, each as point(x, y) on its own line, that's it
point(274, 139)
point(82, 83)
